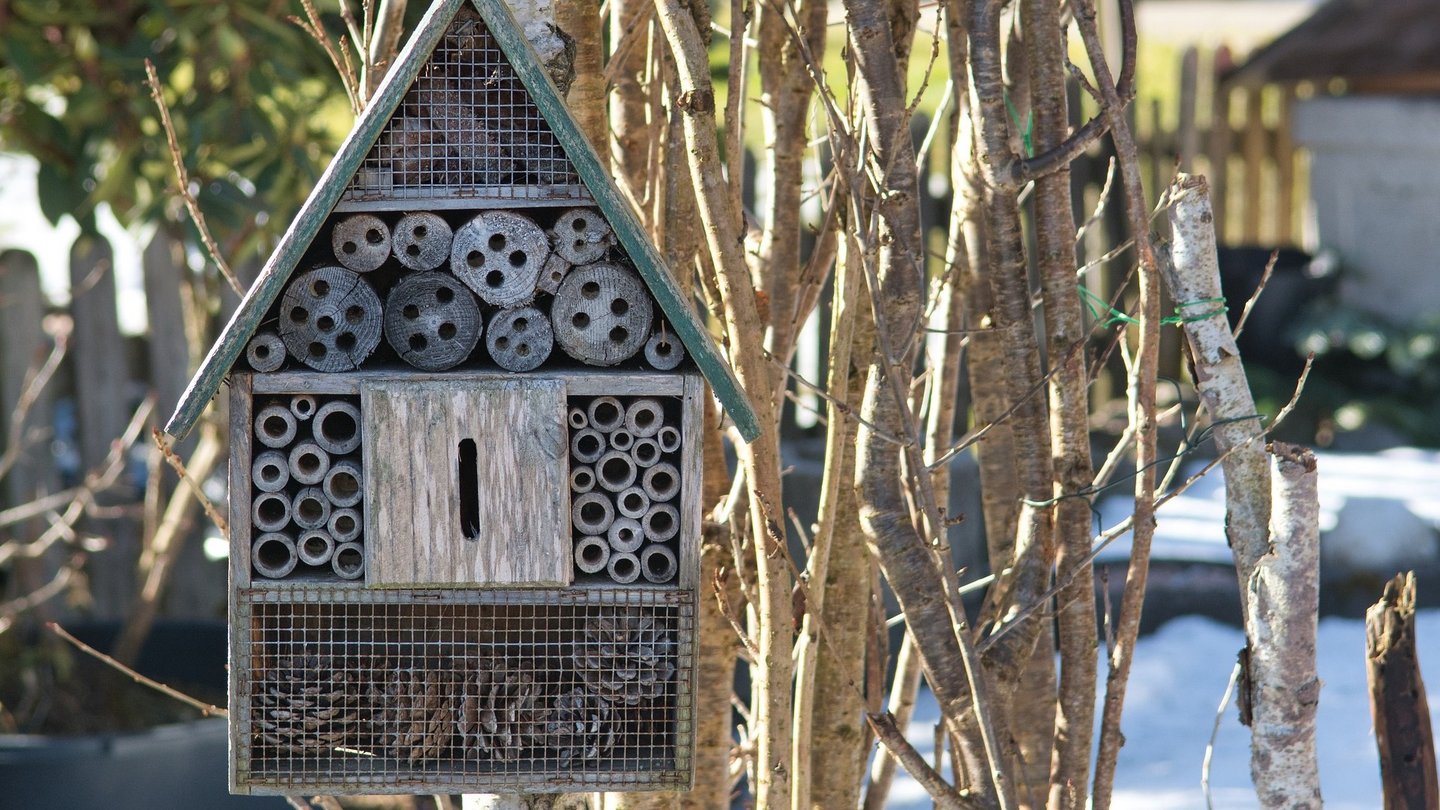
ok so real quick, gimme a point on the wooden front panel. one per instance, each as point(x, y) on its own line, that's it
point(467, 483)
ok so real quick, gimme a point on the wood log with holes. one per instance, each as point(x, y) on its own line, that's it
point(330, 319)
point(432, 321)
point(361, 242)
point(499, 255)
point(1398, 702)
point(421, 241)
point(663, 351)
point(581, 236)
point(519, 339)
point(265, 352)
point(602, 314)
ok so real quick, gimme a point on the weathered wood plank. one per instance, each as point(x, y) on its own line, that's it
point(437, 513)
point(691, 472)
point(577, 382)
point(241, 456)
point(23, 346)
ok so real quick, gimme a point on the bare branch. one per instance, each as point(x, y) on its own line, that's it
point(205, 708)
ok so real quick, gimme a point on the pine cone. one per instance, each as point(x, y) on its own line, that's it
point(579, 726)
point(413, 708)
point(625, 657)
point(306, 705)
point(500, 711)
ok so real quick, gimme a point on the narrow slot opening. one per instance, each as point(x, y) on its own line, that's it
point(469, 482)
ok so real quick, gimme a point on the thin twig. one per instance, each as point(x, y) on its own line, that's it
point(205, 708)
point(178, 464)
point(1214, 733)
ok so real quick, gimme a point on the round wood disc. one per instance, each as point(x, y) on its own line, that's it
point(330, 319)
point(664, 351)
point(581, 236)
point(422, 241)
point(519, 339)
point(499, 255)
point(265, 352)
point(602, 314)
point(361, 242)
point(432, 321)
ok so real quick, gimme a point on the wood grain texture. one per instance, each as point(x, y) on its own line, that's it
point(691, 427)
point(412, 489)
point(239, 487)
point(580, 383)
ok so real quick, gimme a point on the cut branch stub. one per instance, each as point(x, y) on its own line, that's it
point(348, 561)
point(303, 406)
point(663, 351)
point(422, 241)
point(330, 319)
point(554, 272)
point(625, 534)
point(499, 255)
point(520, 339)
point(661, 482)
point(661, 522)
point(432, 321)
point(343, 484)
point(592, 554)
point(361, 242)
point(270, 511)
point(592, 513)
point(265, 352)
point(623, 567)
point(581, 236)
point(587, 445)
point(643, 417)
point(602, 314)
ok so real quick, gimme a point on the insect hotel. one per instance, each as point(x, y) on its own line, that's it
point(465, 418)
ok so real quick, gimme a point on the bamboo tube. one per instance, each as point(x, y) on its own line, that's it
point(661, 482)
point(625, 534)
point(622, 439)
point(270, 472)
point(308, 463)
point(668, 438)
point(623, 567)
point(265, 352)
point(270, 511)
point(582, 480)
point(592, 513)
point(311, 509)
point(632, 502)
point(658, 564)
point(578, 419)
point(348, 562)
point(605, 414)
point(337, 427)
point(645, 452)
point(616, 471)
point(303, 406)
point(315, 548)
point(273, 555)
point(361, 242)
point(275, 426)
point(343, 525)
point(644, 417)
point(587, 446)
point(661, 522)
point(343, 484)
point(592, 554)
point(664, 351)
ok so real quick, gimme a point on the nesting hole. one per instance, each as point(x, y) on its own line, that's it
point(517, 258)
point(619, 334)
point(299, 314)
point(446, 331)
point(374, 237)
point(475, 258)
point(320, 288)
point(418, 343)
point(590, 289)
point(580, 320)
point(619, 306)
point(309, 509)
point(411, 311)
point(494, 278)
point(325, 323)
point(272, 554)
point(346, 342)
point(318, 350)
point(497, 242)
point(444, 295)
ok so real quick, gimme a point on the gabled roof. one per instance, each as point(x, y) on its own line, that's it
point(337, 178)
point(1390, 43)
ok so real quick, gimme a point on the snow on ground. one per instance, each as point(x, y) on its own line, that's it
point(1178, 677)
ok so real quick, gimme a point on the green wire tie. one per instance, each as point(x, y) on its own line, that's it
point(1098, 306)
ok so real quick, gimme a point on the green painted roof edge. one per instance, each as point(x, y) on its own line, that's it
point(372, 122)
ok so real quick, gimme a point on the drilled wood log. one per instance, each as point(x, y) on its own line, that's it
point(270, 472)
point(519, 339)
point(432, 321)
point(361, 242)
point(602, 314)
point(422, 241)
point(622, 440)
point(303, 406)
point(623, 567)
point(315, 548)
point(330, 319)
point(606, 414)
point(1398, 703)
point(270, 512)
point(646, 452)
point(499, 255)
point(632, 502)
point(344, 525)
point(657, 564)
point(661, 482)
point(337, 427)
point(664, 351)
point(275, 426)
point(348, 561)
point(661, 522)
point(582, 480)
point(552, 274)
point(669, 439)
point(643, 417)
point(273, 555)
point(581, 236)
point(587, 446)
point(343, 484)
point(265, 352)
point(311, 509)
point(308, 463)
point(625, 534)
point(592, 554)
point(592, 513)
point(615, 471)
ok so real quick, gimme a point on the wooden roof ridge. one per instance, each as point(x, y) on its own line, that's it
point(342, 168)
point(1352, 39)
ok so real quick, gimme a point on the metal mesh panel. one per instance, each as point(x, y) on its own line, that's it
point(428, 691)
point(467, 129)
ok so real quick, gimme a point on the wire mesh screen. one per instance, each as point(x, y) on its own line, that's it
point(479, 691)
point(467, 129)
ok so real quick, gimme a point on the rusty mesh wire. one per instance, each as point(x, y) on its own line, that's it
point(355, 691)
point(466, 130)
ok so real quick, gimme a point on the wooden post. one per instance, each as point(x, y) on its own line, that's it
point(1220, 140)
point(1397, 700)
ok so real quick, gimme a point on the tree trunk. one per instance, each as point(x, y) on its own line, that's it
point(1397, 700)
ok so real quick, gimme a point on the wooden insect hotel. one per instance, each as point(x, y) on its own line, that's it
point(465, 412)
